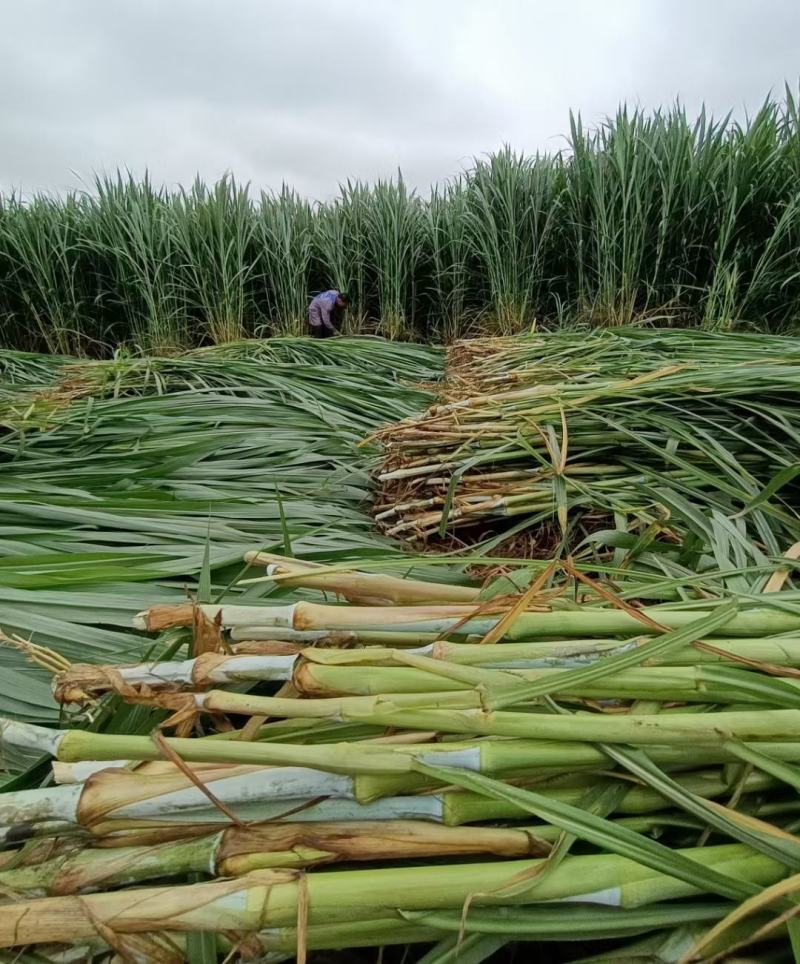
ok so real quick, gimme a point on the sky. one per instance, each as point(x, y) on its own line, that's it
point(313, 92)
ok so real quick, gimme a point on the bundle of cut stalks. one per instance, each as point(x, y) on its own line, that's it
point(658, 434)
point(486, 364)
point(437, 766)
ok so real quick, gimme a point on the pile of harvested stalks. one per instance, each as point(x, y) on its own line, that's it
point(653, 434)
point(552, 763)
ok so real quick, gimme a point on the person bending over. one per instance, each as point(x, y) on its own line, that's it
point(323, 310)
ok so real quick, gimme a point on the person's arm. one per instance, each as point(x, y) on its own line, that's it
point(326, 311)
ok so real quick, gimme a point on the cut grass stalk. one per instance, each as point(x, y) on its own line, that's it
point(360, 588)
point(318, 674)
point(116, 796)
point(468, 620)
point(684, 739)
point(683, 684)
point(236, 851)
point(270, 898)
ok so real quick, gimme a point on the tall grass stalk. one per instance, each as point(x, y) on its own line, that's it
point(692, 218)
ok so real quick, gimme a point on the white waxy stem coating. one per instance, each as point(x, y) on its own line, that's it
point(270, 794)
point(65, 773)
point(36, 806)
point(611, 897)
point(234, 668)
point(279, 616)
point(31, 737)
point(157, 674)
point(252, 667)
point(269, 784)
point(275, 615)
point(423, 807)
point(468, 758)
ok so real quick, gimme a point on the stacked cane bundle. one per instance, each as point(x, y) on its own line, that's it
point(636, 431)
point(412, 762)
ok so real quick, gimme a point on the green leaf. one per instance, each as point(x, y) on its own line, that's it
point(470, 950)
point(287, 539)
point(777, 768)
point(201, 947)
point(602, 833)
point(204, 580)
point(565, 922)
point(786, 475)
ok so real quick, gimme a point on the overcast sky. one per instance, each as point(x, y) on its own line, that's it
point(312, 92)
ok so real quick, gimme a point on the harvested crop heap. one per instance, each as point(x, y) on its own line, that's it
point(537, 762)
point(643, 434)
point(118, 479)
point(601, 747)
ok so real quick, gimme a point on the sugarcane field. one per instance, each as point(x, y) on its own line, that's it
point(472, 634)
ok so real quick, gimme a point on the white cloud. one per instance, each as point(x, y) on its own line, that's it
point(314, 92)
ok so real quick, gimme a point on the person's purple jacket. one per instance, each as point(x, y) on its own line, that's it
point(321, 309)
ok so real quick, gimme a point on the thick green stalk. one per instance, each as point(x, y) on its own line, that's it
point(568, 623)
point(463, 807)
point(679, 684)
point(364, 758)
point(408, 712)
point(118, 799)
point(270, 898)
point(577, 652)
